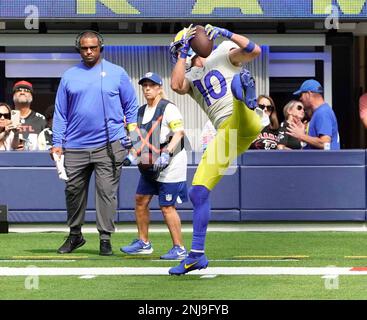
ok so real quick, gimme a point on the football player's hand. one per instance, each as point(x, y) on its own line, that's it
point(162, 162)
point(214, 32)
point(188, 35)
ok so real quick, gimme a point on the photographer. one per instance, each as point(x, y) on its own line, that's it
point(162, 164)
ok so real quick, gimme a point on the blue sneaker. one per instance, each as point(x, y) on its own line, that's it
point(138, 247)
point(189, 264)
point(243, 88)
point(176, 253)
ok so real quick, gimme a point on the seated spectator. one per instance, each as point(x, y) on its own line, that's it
point(45, 137)
point(323, 126)
point(294, 112)
point(268, 138)
point(31, 122)
point(7, 129)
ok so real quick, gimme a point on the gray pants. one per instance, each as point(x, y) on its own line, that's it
point(79, 166)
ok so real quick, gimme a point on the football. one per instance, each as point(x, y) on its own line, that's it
point(201, 43)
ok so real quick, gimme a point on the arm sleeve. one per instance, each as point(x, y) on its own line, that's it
point(128, 99)
point(60, 115)
point(174, 118)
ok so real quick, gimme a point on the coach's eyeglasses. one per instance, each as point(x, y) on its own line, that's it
point(5, 115)
point(269, 107)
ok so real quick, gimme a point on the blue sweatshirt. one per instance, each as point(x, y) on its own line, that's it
point(79, 120)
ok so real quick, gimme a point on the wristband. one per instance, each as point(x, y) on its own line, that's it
point(184, 54)
point(228, 34)
point(250, 47)
point(131, 126)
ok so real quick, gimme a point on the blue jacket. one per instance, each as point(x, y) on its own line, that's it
point(85, 95)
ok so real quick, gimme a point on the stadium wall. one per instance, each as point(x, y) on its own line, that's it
point(261, 186)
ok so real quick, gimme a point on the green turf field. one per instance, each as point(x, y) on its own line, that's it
point(225, 249)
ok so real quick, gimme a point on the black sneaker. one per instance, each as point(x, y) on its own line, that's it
point(72, 242)
point(105, 248)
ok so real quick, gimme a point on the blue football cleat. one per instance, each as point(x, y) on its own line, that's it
point(176, 253)
point(243, 88)
point(138, 246)
point(189, 264)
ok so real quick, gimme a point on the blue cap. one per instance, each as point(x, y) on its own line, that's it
point(152, 77)
point(309, 85)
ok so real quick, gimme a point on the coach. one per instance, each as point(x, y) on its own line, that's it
point(93, 99)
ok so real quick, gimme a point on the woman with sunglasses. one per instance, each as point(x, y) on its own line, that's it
point(294, 112)
point(268, 137)
point(7, 140)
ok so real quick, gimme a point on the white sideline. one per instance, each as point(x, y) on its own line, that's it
point(222, 227)
point(301, 271)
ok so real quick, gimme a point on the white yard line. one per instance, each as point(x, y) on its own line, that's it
point(304, 271)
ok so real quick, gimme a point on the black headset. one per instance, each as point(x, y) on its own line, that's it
point(81, 34)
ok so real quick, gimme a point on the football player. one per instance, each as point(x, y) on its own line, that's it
point(225, 91)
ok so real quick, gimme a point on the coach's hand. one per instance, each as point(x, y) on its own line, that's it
point(126, 142)
point(55, 150)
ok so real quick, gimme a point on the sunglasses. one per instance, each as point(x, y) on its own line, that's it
point(5, 115)
point(299, 108)
point(263, 106)
point(22, 90)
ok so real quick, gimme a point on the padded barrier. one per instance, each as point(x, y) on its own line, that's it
point(264, 186)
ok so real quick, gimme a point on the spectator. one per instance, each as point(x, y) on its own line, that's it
point(92, 99)
point(268, 137)
point(45, 137)
point(166, 144)
point(8, 141)
point(31, 122)
point(363, 109)
point(323, 126)
point(294, 112)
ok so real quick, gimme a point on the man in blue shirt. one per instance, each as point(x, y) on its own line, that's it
point(323, 126)
point(93, 100)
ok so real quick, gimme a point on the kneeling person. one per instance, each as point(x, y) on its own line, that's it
point(162, 160)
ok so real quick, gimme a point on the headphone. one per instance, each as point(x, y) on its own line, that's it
point(81, 34)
